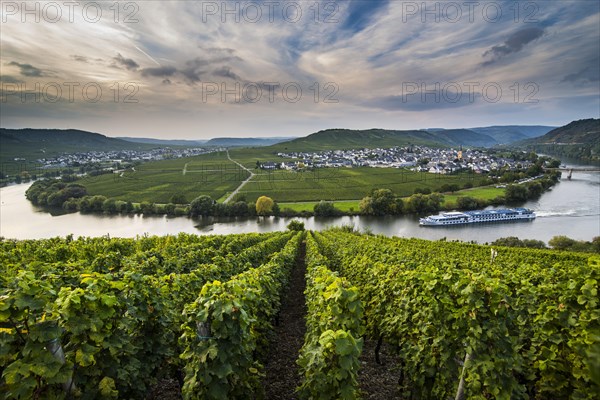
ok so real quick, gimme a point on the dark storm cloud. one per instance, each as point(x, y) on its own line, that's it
point(126, 62)
point(27, 69)
point(513, 44)
point(161, 72)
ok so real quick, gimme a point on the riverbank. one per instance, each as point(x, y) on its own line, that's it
point(571, 208)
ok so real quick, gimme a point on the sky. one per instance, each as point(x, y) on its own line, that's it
point(202, 69)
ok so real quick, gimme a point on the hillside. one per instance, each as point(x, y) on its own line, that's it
point(332, 139)
point(245, 142)
point(33, 144)
point(584, 131)
point(464, 137)
point(512, 133)
point(164, 142)
point(578, 139)
point(214, 142)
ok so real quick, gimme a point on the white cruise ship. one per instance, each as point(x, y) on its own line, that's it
point(471, 217)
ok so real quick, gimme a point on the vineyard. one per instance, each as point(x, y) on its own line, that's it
point(109, 318)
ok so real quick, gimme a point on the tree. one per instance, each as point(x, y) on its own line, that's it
point(467, 203)
point(383, 200)
point(264, 205)
point(380, 202)
point(420, 203)
point(178, 198)
point(202, 205)
point(366, 205)
point(109, 206)
point(239, 208)
point(534, 189)
point(239, 197)
point(515, 193)
point(325, 209)
point(147, 208)
point(296, 225)
point(561, 242)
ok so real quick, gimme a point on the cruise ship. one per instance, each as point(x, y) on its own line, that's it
point(471, 217)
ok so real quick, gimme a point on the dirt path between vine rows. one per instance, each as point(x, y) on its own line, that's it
point(282, 376)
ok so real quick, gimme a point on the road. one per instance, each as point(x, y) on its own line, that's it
point(241, 184)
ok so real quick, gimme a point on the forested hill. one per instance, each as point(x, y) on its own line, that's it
point(32, 144)
point(332, 139)
point(578, 139)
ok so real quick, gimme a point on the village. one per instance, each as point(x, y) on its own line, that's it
point(416, 158)
point(119, 157)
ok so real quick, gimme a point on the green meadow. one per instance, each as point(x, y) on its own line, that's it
point(157, 181)
point(216, 176)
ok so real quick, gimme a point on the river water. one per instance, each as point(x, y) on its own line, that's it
point(571, 208)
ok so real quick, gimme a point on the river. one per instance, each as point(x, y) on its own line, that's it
point(571, 208)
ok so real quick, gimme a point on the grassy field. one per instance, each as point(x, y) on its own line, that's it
point(211, 174)
point(336, 184)
point(214, 175)
point(344, 205)
point(486, 193)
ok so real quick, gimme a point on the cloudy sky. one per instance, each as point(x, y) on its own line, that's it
point(200, 69)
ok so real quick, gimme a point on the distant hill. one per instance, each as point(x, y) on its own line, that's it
point(513, 133)
point(464, 137)
point(164, 142)
point(33, 144)
point(245, 142)
point(578, 139)
point(332, 139)
point(214, 142)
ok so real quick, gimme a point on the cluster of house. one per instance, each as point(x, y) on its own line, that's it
point(119, 156)
point(417, 158)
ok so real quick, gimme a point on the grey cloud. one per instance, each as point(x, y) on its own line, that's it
point(513, 44)
point(160, 72)
point(10, 79)
point(417, 102)
point(194, 70)
point(79, 58)
point(27, 69)
point(226, 72)
point(220, 50)
point(585, 75)
point(126, 62)
point(589, 72)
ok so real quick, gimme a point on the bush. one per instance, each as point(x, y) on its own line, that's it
point(178, 198)
point(325, 209)
point(202, 205)
point(467, 203)
point(295, 225)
